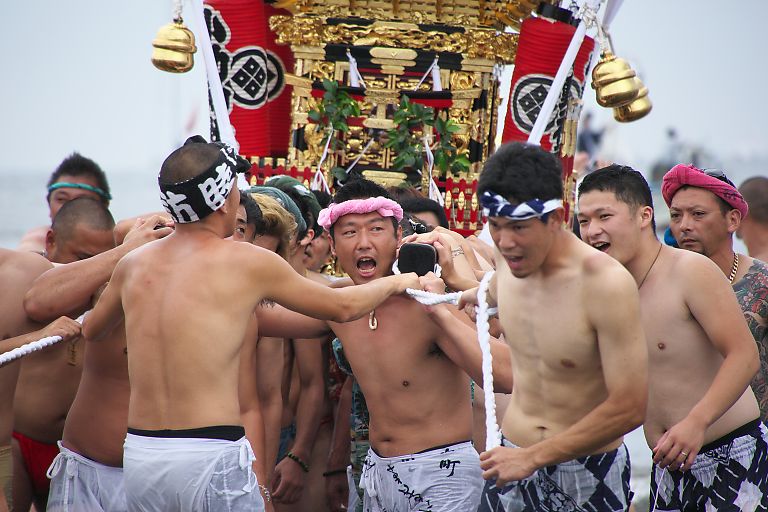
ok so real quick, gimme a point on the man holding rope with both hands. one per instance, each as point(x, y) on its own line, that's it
point(571, 318)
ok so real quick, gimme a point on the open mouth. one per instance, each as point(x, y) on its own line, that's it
point(601, 246)
point(366, 266)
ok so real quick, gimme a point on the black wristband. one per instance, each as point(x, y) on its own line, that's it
point(336, 472)
point(297, 460)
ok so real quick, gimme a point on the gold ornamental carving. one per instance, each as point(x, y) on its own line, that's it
point(476, 43)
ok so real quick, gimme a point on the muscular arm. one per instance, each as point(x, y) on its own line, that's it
point(277, 321)
point(64, 327)
point(459, 342)
point(250, 408)
point(713, 304)
point(108, 311)
point(269, 378)
point(68, 289)
point(283, 285)
point(309, 362)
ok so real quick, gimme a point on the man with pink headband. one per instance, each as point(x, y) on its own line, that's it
point(705, 210)
point(421, 457)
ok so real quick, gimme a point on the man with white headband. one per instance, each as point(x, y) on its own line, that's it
point(185, 302)
point(571, 318)
point(420, 455)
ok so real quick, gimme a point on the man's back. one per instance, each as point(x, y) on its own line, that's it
point(183, 346)
point(683, 361)
point(558, 361)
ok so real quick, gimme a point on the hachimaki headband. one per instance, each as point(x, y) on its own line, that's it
point(495, 205)
point(198, 197)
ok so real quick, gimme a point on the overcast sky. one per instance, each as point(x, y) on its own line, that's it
point(76, 75)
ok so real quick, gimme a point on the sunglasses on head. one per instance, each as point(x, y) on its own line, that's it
point(717, 174)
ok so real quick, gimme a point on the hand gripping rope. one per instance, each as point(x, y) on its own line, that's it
point(492, 432)
point(32, 346)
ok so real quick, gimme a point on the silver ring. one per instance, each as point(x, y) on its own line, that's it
point(684, 454)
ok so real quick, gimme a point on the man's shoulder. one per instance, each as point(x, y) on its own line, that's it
point(23, 262)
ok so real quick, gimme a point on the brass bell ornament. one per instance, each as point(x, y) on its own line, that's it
point(174, 48)
point(614, 82)
point(638, 109)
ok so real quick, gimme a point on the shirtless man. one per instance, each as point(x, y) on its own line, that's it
point(702, 422)
point(754, 229)
point(76, 176)
point(48, 380)
point(419, 401)
point(17, 272)
point(705, 210)
point(184, 338)
point(579, 381)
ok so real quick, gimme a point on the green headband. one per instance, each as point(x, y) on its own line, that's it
point(81, 186)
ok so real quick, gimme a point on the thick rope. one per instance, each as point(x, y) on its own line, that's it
point(32, 346)
point(492, 432)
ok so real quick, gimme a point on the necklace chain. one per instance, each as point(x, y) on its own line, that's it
point(734, 267)
point(649, 268)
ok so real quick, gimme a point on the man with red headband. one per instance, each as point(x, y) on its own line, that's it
point(705, 210)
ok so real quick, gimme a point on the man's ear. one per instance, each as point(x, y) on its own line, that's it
point(333, 245)
point(50, 242)
point(556, 217)
point(646, 216)
point(307, 238)
point(733, 218)
point(399, 234)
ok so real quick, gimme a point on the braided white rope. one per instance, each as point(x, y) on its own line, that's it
point(492, 432)
point(432, 299)
point(32, 346)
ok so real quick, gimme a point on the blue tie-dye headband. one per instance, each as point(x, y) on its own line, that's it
point(495, 205)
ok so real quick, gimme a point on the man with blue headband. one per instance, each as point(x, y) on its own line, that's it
point(76, 176)
point(186, 302)
point(571, 317)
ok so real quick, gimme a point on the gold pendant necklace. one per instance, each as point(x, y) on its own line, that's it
point(373, 324)
point(734, 267)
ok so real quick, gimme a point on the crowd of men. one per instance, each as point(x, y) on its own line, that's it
point(256, 350)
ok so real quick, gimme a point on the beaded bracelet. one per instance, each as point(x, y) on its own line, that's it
point(297, 460)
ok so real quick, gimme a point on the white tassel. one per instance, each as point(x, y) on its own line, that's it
point(437, 83)
point(355, 78)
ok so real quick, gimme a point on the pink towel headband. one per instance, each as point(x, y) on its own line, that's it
point(385, 207)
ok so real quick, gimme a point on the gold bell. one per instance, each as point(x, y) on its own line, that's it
point(639, 108)
point(174, 47)
point(614, 82)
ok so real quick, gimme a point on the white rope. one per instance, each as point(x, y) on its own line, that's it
point(176, 9)
point(492, 432)
point(432, 299)
point(426, 74)
point(32, 346)
point(365, 149)
point(318, 181)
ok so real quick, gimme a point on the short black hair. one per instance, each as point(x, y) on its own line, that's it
point(361, 188)
point(323, 197)
point(628, 185)
point(522, 172)
point(755, 192)
point(423, 204)
point(85, 211)
point(78, 165)
point(252, 210)
point(187, 162)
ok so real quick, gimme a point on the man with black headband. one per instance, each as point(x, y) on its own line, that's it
point(571, 318)
point(709, 450)
point(185, 333)
point(76, 176)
